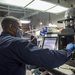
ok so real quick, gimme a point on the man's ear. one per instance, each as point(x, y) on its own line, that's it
point(11, 28)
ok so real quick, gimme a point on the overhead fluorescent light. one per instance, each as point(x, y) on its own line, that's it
point(20, 3)
point(40, 23)
point(25, 21)
point(40, 5)
point(52, 25)
point(57, 9)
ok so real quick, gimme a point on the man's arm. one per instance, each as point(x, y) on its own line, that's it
point(30, 54)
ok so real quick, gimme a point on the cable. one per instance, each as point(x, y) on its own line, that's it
point(69, 3)
point(29, 3)
point(68, 68)
point(58, 1)
point(72, 5)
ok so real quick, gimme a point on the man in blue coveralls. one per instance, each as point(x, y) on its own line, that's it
point(16, 52)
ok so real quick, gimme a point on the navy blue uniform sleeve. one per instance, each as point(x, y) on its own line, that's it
point(28, 53)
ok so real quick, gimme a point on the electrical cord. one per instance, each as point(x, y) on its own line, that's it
point(69, 68)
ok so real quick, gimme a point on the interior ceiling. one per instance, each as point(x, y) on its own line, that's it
point(19, 12)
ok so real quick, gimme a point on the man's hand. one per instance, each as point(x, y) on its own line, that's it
point(70, 46)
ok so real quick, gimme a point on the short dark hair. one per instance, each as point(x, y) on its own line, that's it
point(9, 20)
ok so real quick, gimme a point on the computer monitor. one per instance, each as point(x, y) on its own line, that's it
point(49, 42)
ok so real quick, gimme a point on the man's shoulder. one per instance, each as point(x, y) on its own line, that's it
point(13, 40)
point(10, 38)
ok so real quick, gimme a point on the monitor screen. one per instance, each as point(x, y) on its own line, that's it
point(49, 43)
